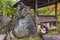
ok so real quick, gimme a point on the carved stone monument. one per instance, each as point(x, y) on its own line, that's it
point(23, 21)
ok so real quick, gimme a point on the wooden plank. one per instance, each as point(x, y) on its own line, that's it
point(46, 19)
point(56, 10)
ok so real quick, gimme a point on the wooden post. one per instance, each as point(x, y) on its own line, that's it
point(56, 11)
point(36, 6)
point(35, 14)
point(35, 10)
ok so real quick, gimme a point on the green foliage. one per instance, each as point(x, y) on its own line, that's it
point(32, 11)
point(59, 18)
point(6, 6)
point(43, 11)
point(46, 11)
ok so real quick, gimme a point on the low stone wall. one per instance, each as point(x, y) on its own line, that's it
point(51, 37)
point(2, 36)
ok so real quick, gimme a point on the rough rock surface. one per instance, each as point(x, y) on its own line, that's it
point(2, 36)
point(51, 37)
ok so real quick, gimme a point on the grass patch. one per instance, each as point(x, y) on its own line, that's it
point(30, 38)
point(52, 31)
